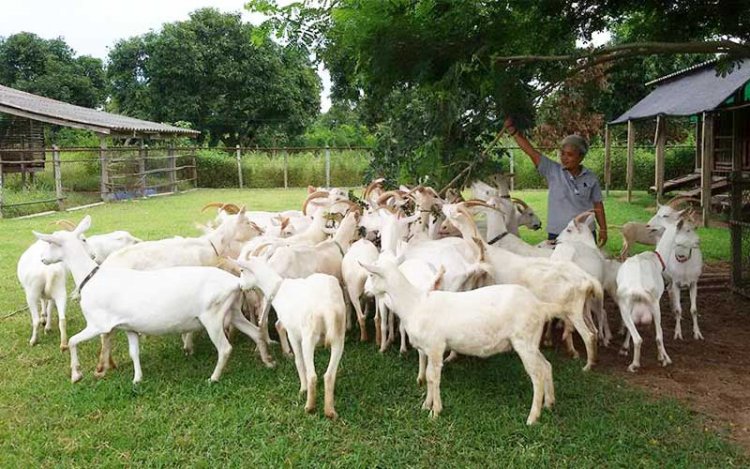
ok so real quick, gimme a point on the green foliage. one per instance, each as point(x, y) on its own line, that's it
point(49, 67)
point(209, 71)
point(339, 127)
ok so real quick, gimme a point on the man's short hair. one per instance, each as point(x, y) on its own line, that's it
point(578, 142)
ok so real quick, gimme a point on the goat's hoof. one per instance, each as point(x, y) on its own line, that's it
point(138, 381)
point(633, 368)
point(33, 342)
point(99, 374)
point(331, 414)
point(531, 421)
point(420, 381)
point(310, 408)
point(549, 404)
point(76, 376)
point(426, 405)
point(403, 352)
point(587, 367)
point(270, 364)
point(434, 413)
point(698, 336)
point(623, 352)
point(63, 347)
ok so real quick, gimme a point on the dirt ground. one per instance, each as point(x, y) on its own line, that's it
point(713, 375)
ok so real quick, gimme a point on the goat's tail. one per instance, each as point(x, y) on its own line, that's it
point(594, 292)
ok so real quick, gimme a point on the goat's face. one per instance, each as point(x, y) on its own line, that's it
point(666, 215)
point(376, 283)
point(59, 241)
point(685, 241)
point(248, 279)
point(527, 218)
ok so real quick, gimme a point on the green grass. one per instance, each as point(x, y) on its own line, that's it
point(255, 417)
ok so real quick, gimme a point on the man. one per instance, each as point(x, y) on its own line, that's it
point(572, 188)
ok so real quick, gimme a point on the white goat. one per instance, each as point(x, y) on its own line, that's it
point(642, 233)
point(175, 300)
point(312, 310)
point(639, 288)
point(493, 319)
point(354, 277)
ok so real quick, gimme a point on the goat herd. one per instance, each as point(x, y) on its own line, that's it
point(420, 257)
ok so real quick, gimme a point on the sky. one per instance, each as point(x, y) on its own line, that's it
point(92, 27)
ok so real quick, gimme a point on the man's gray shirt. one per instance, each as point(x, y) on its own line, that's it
point(568, 195)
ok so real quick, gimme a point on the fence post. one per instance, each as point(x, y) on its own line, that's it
point(631, 157)
point(104, 183)
point(511, 154)
point(142, 155)
point(2, 185)
point(57, 170)
point(172, 162)
point(328, 167)
point(607, 160)
point(239, 165)
point(195, 171)
point(286, 169)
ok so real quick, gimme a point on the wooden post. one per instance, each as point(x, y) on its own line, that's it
point(660, 141)
point(239, 165)
point(631, 158)
point(57, 171)
point(707, 151)
point(607, 160)
point(511, 154)
point(328, 167)
point(195, 171)
point(142, 155)
point(2, 184)
point(172, 161)
point(286, 169)
point(104, 178)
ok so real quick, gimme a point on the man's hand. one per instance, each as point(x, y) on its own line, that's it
point(508, 125)
point(602, 237)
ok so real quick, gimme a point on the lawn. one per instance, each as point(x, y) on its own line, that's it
point(255, 417)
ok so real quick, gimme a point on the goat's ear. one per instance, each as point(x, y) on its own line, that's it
point(372, 268)
point(482, 248)
point(84, 225)
point(680, 224)
point(310, 189)
point(438, 280)
point(46, 238)
point(284, 222)
point(232, 262)
point(242, 211)
point(683, 212)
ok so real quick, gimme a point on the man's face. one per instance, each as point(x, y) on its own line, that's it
point(570, 157)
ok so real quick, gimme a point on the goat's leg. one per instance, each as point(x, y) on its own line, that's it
point(105, 355)
point(308, 356)
point(283, 339)
point(299, 364)
point(391, 327)
point(434, 371)
point(549, 385)
point(422, 368)
point(87, 333)
point(626, 311)
point(402, 333)
point(661, 352)
point(188, 343)
point(625, 348)
point(46, 316)
point(33, 304)
point(213, 321)
point(533, 364)
point(674, 299)
point(329, 378)
point(61, 302)
point(589, 339)
point(383, 327)
point(134, 349)
point(694, 310)
point(256, 335)
point(604, 333)
point(357, 306)
point(378, 324)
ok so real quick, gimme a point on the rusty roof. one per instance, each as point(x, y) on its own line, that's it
point(20, 103)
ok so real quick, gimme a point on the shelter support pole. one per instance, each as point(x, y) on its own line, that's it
point(660, 141)
point(511, 155)
point(57, 170)
point(142, 155)
point(631, 158)
point(104, 178)
point(707, 151)
point(607, 159)
point(2, 185)
point(238, 155)
point(172, 161)
point(286, 169)
point(328, 167)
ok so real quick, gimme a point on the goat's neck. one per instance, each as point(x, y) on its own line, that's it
point(468, 231)
point(666, 242)
point(344, 237)
point(404, 296)
point(78, 261)
point(268, 280)
point(495, 224)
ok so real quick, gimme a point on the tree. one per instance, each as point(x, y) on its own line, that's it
point(50, 68)
point(209, 71)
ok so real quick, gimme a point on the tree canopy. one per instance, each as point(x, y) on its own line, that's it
point(436, 77)
point(49, 67)
point(213, 72)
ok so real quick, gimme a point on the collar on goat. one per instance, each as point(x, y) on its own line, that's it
point(341, 250)
point(88, 277)
point(498, 237)
point(215, 250)
point(661, 261)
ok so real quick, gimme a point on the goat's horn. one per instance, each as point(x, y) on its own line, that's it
point(385, 196)
point(370, 187)
point(679, 198)
point(393, 210)
point(351, 205)
point(314, 195)
point(212, 204)
point(67, 224)
point(520, 202)
point(583, 214)
point(231, 209)
point(478, 203)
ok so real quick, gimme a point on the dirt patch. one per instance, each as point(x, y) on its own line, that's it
point(713, 375)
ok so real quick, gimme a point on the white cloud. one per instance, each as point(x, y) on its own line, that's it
point(92, 27)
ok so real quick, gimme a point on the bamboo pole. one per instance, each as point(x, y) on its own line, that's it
point(607, 160)
point(142, 155)
point(238, 154)
point(57, 170)
point(631, 158)
point(286, 169)
point(172, 161)
point(660, 141)
point(706, 165)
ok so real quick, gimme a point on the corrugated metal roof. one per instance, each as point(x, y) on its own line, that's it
point(29, 105)
point(692, 93)
point(681, 72)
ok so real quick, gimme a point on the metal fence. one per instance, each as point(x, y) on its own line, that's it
point(740, 232)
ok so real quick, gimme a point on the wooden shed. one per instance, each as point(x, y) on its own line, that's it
point(720, 105)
